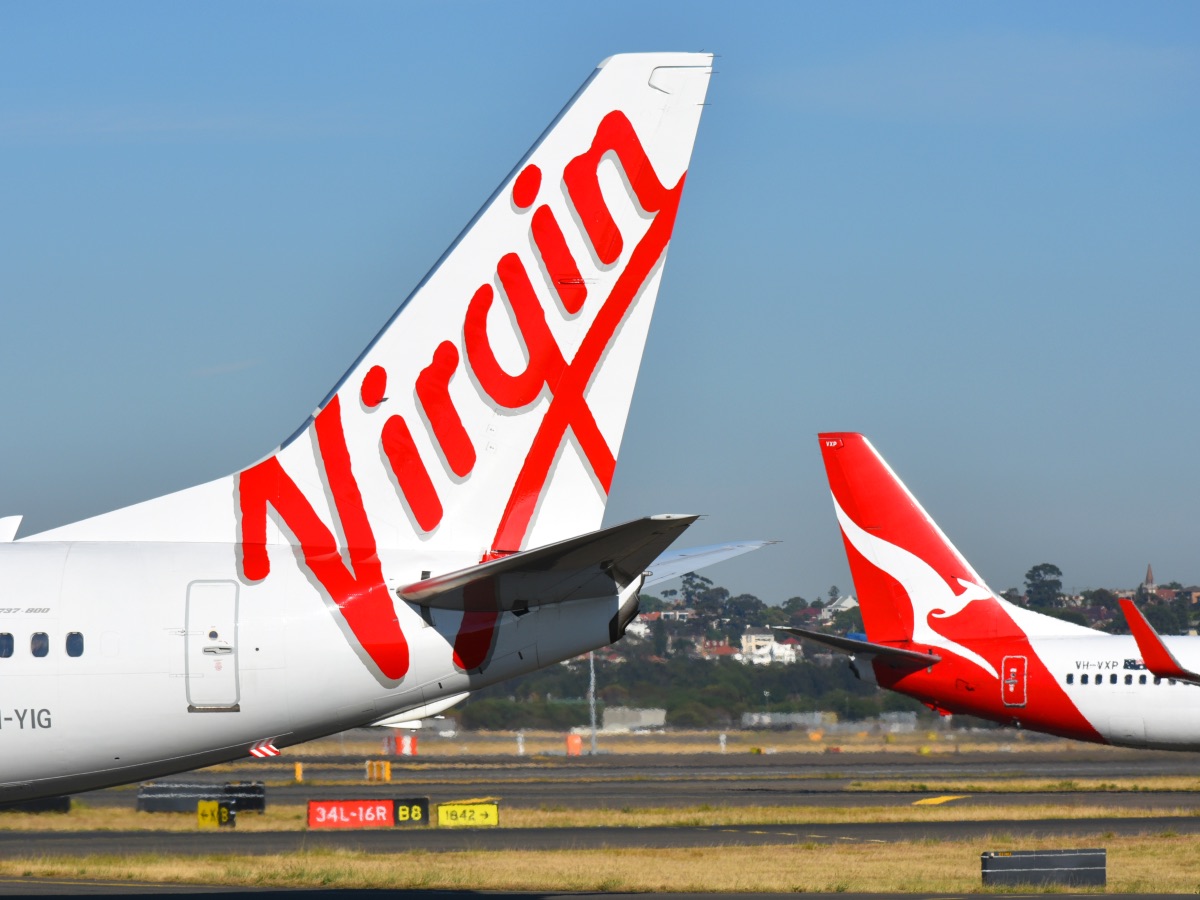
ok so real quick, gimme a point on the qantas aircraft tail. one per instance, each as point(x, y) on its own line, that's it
point(913, 585)
point(935, 631)
point(486, 417)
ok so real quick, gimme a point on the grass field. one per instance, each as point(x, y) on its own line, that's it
point(1165, 863)
point(293, 818)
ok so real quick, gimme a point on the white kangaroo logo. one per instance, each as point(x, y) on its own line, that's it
point(927, 590)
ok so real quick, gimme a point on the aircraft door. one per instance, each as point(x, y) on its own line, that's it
point(1013, 679)
point(211, 655)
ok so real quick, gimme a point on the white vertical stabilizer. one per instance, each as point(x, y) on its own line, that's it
point(487, 414)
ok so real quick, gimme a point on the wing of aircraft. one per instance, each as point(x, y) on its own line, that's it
point(462, 463)
point(603, 563)
point(677, 563)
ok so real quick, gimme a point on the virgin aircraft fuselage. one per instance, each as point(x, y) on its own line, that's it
point(433, 527)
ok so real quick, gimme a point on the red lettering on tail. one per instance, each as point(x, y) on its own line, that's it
point(411, 475)
point(359, 590)
point(547, 367)
point(433, 390)
point(560, 264)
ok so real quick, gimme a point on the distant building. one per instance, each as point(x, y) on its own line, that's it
point(760, 648)
point(638, 629)
point(898, 722)
point(625, 719)
point(711, 649)
point(841, 604)
point(755, 639)
point(789, 720)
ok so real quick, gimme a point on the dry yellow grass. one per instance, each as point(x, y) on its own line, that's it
point(552, 743)
point(1164, 863)
point(1027, 785)
point(293, 818)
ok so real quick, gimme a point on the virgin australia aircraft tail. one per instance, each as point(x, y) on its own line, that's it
point(486, 417)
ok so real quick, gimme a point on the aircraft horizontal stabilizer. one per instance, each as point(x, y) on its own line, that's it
point(8, 528)
point(587, 567)
point(1158, 659)
point(866, 649)
point(676, 563)
point(414, 714)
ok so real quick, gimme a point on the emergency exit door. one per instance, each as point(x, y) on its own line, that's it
point(211, 651)
point(1013, 672)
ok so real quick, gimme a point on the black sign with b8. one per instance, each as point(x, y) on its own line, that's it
point(413, 811)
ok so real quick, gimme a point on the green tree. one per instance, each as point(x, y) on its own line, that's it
point(1073, 616)
point(1164, 618)
point(794, 605)
point(648, 603)
point(774, 615)
point(1043, 585)
point(848, 620)
point(693, 585)
point(1101, 597)
point(658, 637)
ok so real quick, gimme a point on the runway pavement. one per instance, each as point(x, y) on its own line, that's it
point(128, 843)
point(795, 779)
point(631, 781)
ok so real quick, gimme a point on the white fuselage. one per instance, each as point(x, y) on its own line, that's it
point(1105, 679)
point(182, 665)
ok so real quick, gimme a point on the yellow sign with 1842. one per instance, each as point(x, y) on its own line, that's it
point(469, 814)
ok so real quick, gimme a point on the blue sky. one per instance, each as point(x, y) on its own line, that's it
point(966, 230)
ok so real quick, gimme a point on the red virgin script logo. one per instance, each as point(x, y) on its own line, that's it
point(356, 585)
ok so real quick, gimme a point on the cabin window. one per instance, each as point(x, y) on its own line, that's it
point(74, 643)
point(1112, 679)
point(1157, 680)
point(1129, 679)
point(1070, 678)
point(6, 645)
point(39, 643)
point(1083, 679)
point(1171, 681)
point(1141, 679)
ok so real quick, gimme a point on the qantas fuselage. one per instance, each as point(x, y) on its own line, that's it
point(1090, 688)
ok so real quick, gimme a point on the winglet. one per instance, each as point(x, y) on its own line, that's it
point(866, 649)
point(1158, 659)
